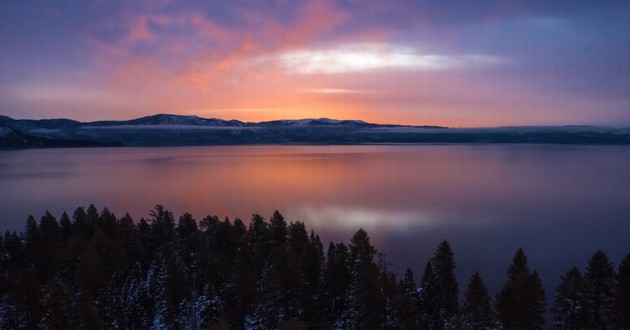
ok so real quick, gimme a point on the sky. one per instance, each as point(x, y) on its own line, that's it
point(416, 62)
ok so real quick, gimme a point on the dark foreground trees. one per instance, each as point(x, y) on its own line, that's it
point(477, 313)
point(571, 308)
point(96, 271)
point(521, 302)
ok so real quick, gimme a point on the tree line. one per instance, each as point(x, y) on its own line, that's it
point(95, 271)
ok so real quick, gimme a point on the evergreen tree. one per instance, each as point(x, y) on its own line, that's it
point(312, 259)
point(91, 271)
point(283, 289)
point(365, 303)
point(476, 311)
point(241, 293)
point(391, 297)
point(521, 301)
point(31, 238)
point(258, 241)
point(428, 299)
point(23, 299)
point(622, 296)
point(169, 289)
point(83, 227)
point(278, 228)
point(297, 238)
point(446, 288)
point(108, 223)
point(311, 264)
point(57, 306)
point(87, 315)
point(571, 309)
point(66, 228)
point(600, 282)
point(337, 278)
point(409, 313)
point(188, 241)
point(136, 304)
point(48, 255)
point(131, 242)
point(162, 229)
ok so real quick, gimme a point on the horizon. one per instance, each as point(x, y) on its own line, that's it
point(411, 62)
point(340, 119)
point(619, 126)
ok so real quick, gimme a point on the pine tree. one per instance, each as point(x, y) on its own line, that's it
point(169, 288)
point(571, 310)
point(66, 228)
point(391, 297)
point(48, 255)
point(91, 271)
point(31, 238)
point(57, 304)
point(278, 228)
point(258, 241)
point(409, 301)
point(311, 264)
point(136, 304)
point(108, 223)
point(428, 300)
point(24, 300)
point(521, 301)
point(241, 293)
point(336, 281)
point(162, 229)
point(283, 289)
point(446, 288)
point(297, 238)
point(600, 282)
point(476, 311)
point(622, 296)
point(366, 302)
point(87, 315)
point(312, 259)
point(188, 241)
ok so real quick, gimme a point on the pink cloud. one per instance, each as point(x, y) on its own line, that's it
point(221, 51)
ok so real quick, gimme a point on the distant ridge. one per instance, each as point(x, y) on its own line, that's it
point(13, 138)
point(181, 120)
point(168, 119)
point(178, 130)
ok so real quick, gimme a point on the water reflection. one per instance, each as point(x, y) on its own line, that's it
point(559, 203)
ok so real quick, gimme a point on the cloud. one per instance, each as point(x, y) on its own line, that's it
point(334, 91)
point(367, 57)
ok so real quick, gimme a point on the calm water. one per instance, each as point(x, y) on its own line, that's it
point(560, 203)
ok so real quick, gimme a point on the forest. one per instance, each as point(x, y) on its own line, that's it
point(92, 270)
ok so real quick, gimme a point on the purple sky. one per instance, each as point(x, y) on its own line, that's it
point(455, 63)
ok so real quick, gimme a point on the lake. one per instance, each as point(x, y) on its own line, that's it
point(559, 203)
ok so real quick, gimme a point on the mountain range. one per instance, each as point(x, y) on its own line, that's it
point(176, 130)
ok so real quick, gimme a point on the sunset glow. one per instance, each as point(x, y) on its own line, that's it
point(406, 62)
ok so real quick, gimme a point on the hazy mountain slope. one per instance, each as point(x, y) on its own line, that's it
point(11, 138)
